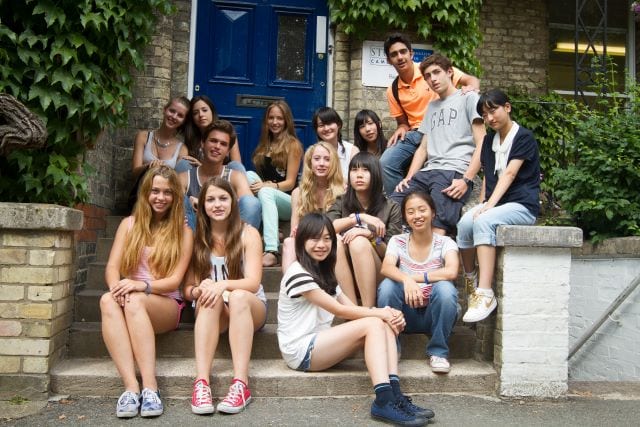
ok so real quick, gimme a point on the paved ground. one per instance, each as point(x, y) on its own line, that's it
point(588, 405)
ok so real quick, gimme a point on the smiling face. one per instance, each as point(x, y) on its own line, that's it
point(216, 146)
point(217, 203)
point(400, 56)
point(275, 121)
point(160, 196)
point(320, 162)
point(418, 214)
point(201, 114)
point(369, 130)
point(175, 114)
point(360, 178)
point(328, 132)
point(319, 247)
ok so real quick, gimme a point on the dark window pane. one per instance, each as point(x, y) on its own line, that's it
point(292, 34)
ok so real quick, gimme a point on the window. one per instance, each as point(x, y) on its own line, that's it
point(617, 35)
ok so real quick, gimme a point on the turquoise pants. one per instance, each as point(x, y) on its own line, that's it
point(276, 206)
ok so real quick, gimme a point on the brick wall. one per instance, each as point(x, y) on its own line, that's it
point(598, 277)
point(36, 302)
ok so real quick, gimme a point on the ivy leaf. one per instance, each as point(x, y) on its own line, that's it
point(5, 32)
point(44, 96)
point(52, 14)
point(62, 76)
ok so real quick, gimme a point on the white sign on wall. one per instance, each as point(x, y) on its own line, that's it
point(376, 72)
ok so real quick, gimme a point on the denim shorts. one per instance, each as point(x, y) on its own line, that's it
point(306, 362)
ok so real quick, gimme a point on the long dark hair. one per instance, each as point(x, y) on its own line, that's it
point(377, 198)
point(192, 134)
point(328, 115)
point(359, 141)
point(311, 226)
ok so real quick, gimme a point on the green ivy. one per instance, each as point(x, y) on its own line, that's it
point(71, 63)
point(453, 25)
point(600, 186)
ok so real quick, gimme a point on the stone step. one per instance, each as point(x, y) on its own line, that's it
point(271, 277)
point(103, 248)
point(85, 341)
point(272, 378)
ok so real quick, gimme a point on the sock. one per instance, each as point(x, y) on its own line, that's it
point(485, 292)
point(384, 393)
point(394, 380)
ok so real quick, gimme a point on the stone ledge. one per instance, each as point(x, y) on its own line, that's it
point(538, 236)
point(623, 247)
point(39, 216)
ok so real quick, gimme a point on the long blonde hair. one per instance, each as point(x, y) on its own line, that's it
point(309, 184)
point(203, 245)
point(280, 146)
point(164, 237)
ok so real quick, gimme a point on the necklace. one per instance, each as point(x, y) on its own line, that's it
point(160, 144)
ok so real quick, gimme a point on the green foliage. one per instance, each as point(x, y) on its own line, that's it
point(600, 188)
point(70, 62)
point(453, 25)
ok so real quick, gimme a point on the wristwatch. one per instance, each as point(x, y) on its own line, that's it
point(467, 180)
point(147, 290)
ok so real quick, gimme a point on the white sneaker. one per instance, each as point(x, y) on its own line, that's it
point(481, 304)
point(439, 365)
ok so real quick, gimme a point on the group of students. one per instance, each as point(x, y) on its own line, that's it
point(191, 237)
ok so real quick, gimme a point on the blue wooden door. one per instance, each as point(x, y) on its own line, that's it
point(250, 53)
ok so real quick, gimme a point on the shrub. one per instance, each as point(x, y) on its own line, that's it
point(70, 62)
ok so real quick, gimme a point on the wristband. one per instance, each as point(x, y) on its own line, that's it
point(426, 278)
point(358, 221)
point(147, 290)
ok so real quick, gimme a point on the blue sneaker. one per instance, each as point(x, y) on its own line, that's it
point(406, 404)
point(128, 405)
point(393, 413)
point(151, 404)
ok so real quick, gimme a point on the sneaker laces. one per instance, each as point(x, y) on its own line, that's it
point(150, 395)
point(202, 394)
point(405, 403)
point(127, 398)
point(438, 360)
point(474, 300)
point(236, 391)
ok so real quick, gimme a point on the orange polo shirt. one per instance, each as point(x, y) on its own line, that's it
point(415, 97)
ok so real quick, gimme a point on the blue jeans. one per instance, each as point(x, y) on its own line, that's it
point(250, 211)
point(396, 160)
point(237, 166)
point(436, 319)
point(482, 230)
point(276, 205)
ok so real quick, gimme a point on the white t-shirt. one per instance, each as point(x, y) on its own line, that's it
point(298, 319)
point(398, 246)
point(344, 155)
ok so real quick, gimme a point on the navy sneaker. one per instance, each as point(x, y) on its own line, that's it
point(406, 404)
point(151, 404)
point(393, 413)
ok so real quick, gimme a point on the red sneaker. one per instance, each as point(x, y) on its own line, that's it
point(237, 399)
point(201, 400)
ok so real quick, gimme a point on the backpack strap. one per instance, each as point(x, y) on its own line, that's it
point(394, 91)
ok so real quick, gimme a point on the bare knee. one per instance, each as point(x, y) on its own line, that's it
point(136, 303)
point(359, 245)
point(239, 299)
point(108, 305)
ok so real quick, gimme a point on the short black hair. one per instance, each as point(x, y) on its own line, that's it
point(492, 98)
point(421, 195)
point(396, 38)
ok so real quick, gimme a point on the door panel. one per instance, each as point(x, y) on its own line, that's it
point(251, 53)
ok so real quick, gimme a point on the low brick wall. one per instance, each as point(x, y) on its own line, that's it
point(36, 301)
point(529, 336)
point(599, 274)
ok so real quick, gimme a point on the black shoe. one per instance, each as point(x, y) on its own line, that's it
point(406, 404)
point(393, 413)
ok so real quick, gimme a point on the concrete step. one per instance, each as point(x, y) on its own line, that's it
point(103, 248)
point(271, 277)
point(85, 340)
point(272, 378)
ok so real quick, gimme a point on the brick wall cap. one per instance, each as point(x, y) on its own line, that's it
point(39, 216)
point(539, 236)
point(614, 247)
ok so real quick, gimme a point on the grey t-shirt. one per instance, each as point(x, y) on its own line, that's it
point(447, 125)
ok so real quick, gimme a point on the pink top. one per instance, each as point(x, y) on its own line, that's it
point(143, 272)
